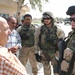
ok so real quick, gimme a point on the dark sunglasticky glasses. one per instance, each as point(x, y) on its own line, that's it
point(72, 19)
point(13, 23)
point(48, 18)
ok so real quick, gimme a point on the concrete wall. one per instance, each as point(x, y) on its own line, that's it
point(10, 7)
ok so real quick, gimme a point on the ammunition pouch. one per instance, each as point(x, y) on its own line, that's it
point(24, 36)
point(68, 53)
point(64, 66)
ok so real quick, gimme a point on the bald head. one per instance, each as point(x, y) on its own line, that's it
point(4, 31)
point(1, 18)
point(2, 21)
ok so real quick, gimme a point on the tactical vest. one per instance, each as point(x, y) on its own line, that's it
point(29, 31)
point(71, 41)
point(71, 45)
point(48, 38)
point(68, 42)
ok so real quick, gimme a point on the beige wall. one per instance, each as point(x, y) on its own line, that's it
point(7, 10)
point(10, 7)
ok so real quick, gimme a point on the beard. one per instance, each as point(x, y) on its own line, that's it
point(73, 29)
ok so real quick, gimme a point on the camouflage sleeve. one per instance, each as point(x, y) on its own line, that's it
point(37, 32)
point(60, 33)
point(70, 50)
point(71, 43)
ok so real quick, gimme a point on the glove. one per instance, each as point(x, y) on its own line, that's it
point(38, 57)
point(64, 66)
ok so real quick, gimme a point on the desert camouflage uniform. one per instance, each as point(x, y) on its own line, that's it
point(27, 50)
point(69, 54)
point(68, 64)
point(47, 46)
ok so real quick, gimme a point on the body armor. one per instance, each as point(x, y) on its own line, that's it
point(48, 39)
point(27, 34)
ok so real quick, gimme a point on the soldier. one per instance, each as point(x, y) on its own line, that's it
point(68, 64)
point(47, 37)
point(27, 32)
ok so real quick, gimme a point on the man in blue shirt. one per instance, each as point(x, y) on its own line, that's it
point(14, 40)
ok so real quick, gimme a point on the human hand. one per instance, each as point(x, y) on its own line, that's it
point(13, 49)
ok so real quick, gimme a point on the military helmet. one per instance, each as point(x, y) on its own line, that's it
point(47, 14)
point(71, 10)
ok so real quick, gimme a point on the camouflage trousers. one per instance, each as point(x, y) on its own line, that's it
point(46, 59)
point(28, 53)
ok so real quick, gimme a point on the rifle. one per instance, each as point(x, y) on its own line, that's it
point(62, 44)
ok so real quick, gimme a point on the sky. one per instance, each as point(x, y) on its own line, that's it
point(57, 7)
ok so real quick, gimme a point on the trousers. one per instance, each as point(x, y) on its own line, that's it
point(28, 53)
point(46, 59)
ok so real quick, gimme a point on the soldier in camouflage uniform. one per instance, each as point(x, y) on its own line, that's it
point(27, 32)
point(68, 64)
point(46, 39)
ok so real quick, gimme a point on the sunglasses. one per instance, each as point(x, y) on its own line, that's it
point(48, 18)
point(13, 23)
point(72, 19)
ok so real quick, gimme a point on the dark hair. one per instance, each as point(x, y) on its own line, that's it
point(9, 18)
point(27, 15)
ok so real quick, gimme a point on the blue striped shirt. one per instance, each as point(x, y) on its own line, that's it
point(14, 39)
